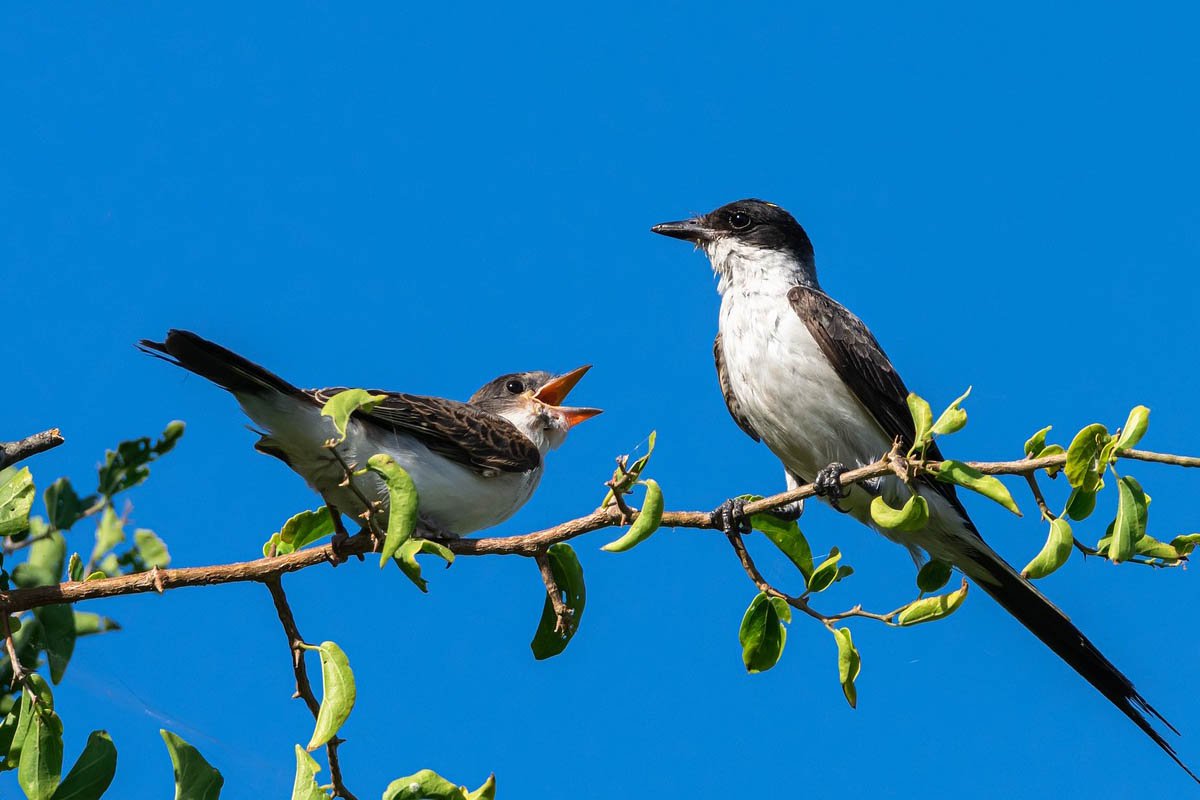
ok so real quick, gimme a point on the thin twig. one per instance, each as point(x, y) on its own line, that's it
point(19, 674)
point(564, 617)
point(1039, 498)
point(303, 688)
point(12, 452)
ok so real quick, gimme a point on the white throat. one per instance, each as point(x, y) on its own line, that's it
point(748, 269)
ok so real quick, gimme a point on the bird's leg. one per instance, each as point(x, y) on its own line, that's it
point(731, 517)
point(340, 534)
point(828, 485)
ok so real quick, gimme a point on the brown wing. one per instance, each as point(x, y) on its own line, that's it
point(863, 366)
point(461, 432)
point(731, 402)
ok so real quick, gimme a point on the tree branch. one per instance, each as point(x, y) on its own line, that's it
point(303, 687)
point(529, 545)
point(12, 452)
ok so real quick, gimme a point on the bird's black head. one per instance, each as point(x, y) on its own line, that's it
point(749, 223)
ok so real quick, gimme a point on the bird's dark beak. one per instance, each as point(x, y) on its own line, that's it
point(554, 392)
point(690, 230)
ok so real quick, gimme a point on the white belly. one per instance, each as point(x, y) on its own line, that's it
point(453, 498)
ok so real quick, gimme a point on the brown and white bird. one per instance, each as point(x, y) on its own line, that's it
point(803, 375)
point(473, 464)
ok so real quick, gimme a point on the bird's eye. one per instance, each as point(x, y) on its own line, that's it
point(515, 386)
point(740, 220)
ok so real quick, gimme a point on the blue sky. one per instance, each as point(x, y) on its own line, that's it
point(423, 198)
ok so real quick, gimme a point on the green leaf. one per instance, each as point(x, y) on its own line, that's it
point(8, 730)
point(49, 554)
point(485, 792)
point(1130, 523)
point(922, 416)
point(625, 479)
point(304, 785)
point(75, 567)
point(788, 538)
point(1186, 543)
point(849, 664)
point(58, 637)
point(125, 467)
point(88, 624)
point(40, 763)
point(1135, 427)
point(402, 503)
point(970, 478)
point(762, 634)
point(195, 778)
point(1035, 444)
point(912, 517)
point(1080, 504)
point(63, 506)
point(1052, 450)
point(825, 574)
point(1054, 552)
point(568, 574)
point(152, 549)
point(337, 694)
point(1083, 468)
point(16, 498)
point(110, 532)
point(1150, 547)
point(339, 407)
point(35, 699)
point(953, 419)
point(930, 608)
point(933, 575)
point(424, 785)
point(93, 770)
point(645, 525)
point(300, 531)
point(406, 558)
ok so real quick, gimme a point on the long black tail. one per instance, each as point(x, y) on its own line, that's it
point(1031, 608)
point(223, 367)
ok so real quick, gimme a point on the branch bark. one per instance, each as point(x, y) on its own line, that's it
point(12, 452)
point(528, 545)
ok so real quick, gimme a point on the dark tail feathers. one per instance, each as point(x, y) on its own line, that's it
point(1031, 608)
point(223, 367)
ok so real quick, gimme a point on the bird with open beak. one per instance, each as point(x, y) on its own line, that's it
point(473, 464)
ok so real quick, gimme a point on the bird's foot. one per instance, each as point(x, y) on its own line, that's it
point(789, 513)
point(731, 517)
point(828, 485)
point(337, 544)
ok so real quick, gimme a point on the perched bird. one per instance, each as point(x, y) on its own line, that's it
point(803, 375)
point(473, 464)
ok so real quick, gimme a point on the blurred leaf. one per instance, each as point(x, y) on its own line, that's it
point(339, 407)
point(933, 575)
point(304, 785)
point(485, 792)
point(625, 479)
point(152, 549)
point(402, 503)
point(424, 785)
point(912, 517)
point(1135, 427)
point(88, 624)
point(922, 416)
point(126, 466)
point(40, 763)
point(968, 477)
point(406, 558)
point(16, 498)
point(568, 574)
point(788, 538)
point(1130, 524)
point(953, 419)
point(1035, 444)
point(29, 575)
point(110, 532)
point(63, 506)
point(1083, 470)
point(93, 770)
point(1054, 552)
point(645, 525)
point(58, 637)
point(762, 634)
point(825, 574)
point(930, 608)
point(849, 664)
point(195, 778)
point(1080, 504)
point(337, 693)
point(8, 729)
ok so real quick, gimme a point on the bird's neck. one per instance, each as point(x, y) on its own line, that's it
point(753, 270)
